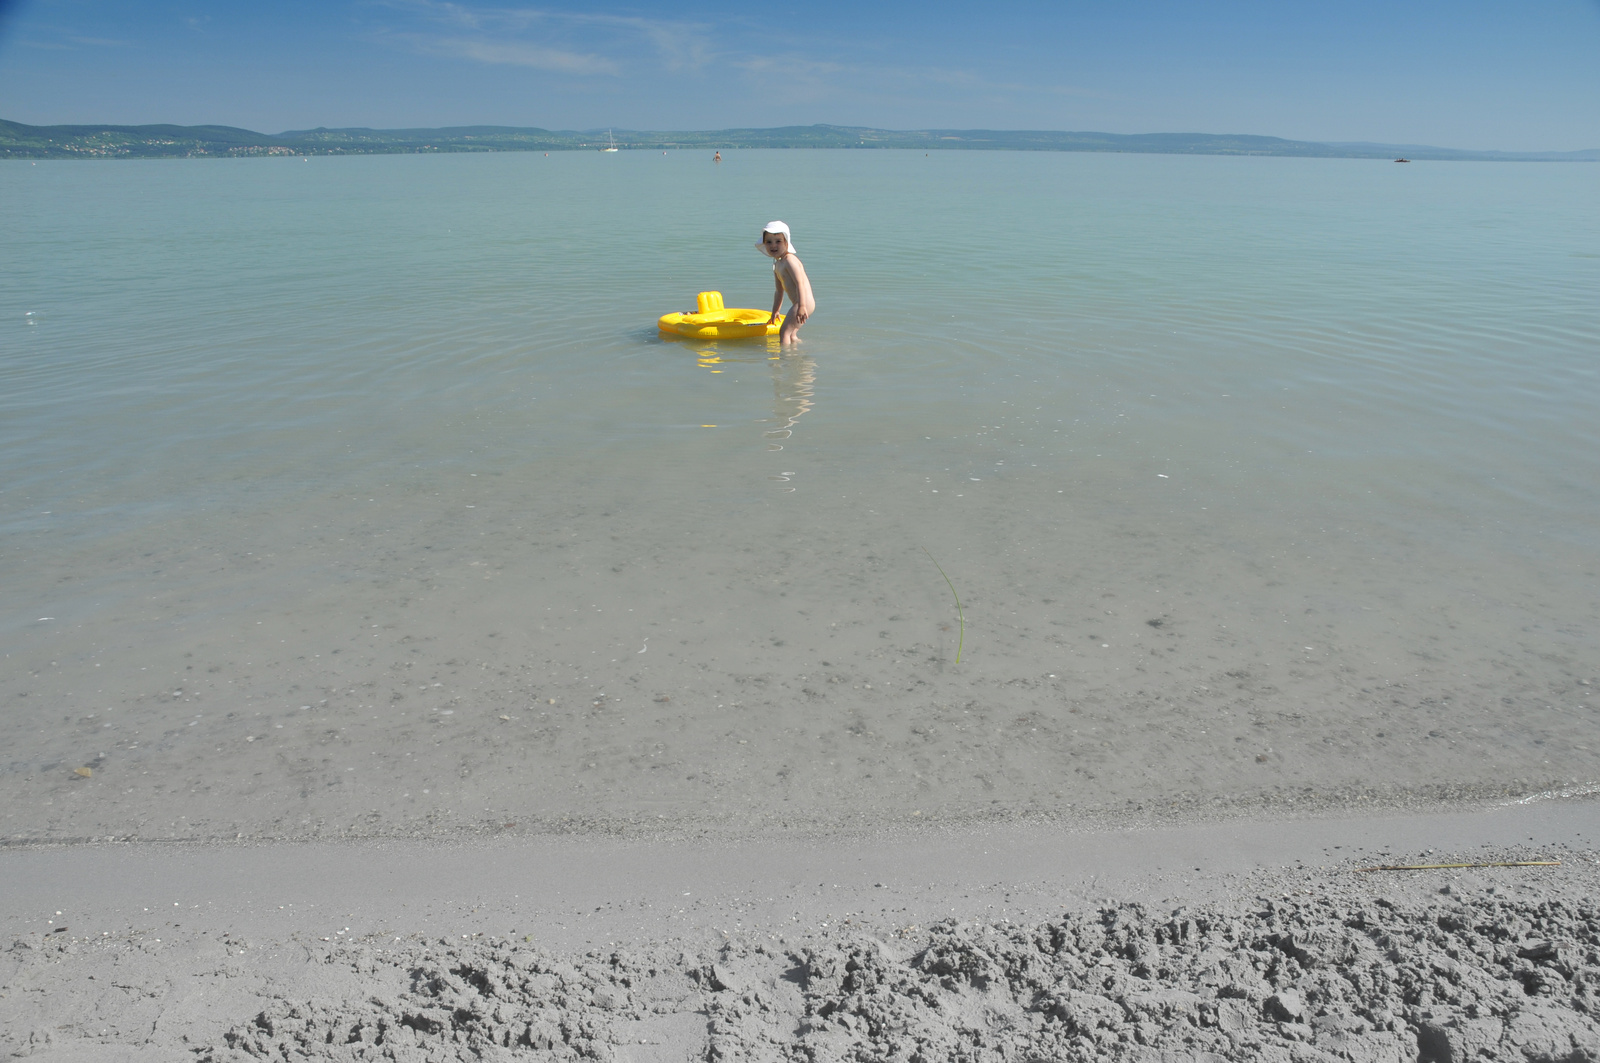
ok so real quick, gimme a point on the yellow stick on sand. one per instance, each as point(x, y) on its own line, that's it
point(1446, 867)
point(959, 618)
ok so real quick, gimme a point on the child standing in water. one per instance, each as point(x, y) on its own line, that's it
point(788, 275)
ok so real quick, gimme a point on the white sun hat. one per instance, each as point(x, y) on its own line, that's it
point(775, 227)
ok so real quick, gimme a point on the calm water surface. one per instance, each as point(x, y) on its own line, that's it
point(360, 495)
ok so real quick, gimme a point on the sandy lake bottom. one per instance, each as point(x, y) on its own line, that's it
point(346, 505)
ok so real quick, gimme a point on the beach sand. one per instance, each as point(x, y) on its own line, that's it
point(1241, 939)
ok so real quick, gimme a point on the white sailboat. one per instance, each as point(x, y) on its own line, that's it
point(611, 141)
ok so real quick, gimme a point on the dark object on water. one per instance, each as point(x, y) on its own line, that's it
point(1402, 160)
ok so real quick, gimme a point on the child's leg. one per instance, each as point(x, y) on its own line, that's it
point(789, 332)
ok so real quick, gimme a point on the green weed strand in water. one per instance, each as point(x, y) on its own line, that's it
point(961, 640)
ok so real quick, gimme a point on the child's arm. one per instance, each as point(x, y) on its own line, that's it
point(777, 296)
point(807, 303)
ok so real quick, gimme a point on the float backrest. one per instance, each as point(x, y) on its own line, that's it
point(709, 301)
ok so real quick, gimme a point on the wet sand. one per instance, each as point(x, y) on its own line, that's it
point(1005, 943)
point(565, 648)
point(530, 823)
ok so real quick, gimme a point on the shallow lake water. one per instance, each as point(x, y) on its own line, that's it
point(361, 496)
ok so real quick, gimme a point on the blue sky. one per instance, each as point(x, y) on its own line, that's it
point(1468, 74)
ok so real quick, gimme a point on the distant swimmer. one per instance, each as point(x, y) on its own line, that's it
point(717, 157)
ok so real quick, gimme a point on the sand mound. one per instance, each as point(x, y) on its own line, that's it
point(1445, 979)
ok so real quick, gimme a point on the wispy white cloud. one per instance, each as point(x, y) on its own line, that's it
point(796, 77)
point(586, 44)
point(792, 66)
point(678, 45)
point(794, 80)
point(59, 38)
point(567, 41)
point(969, 81)
point(512, 53)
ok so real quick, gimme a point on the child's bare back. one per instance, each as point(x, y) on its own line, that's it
point(788, 276)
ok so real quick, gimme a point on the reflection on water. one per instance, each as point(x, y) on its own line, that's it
point(714, 355)
point(794, 378)
point(711, 356)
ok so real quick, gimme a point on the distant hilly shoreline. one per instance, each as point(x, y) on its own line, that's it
point(18, 141)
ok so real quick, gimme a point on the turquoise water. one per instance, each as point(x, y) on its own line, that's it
point(1254, 475)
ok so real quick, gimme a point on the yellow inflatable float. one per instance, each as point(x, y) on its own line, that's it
point(713, 321)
